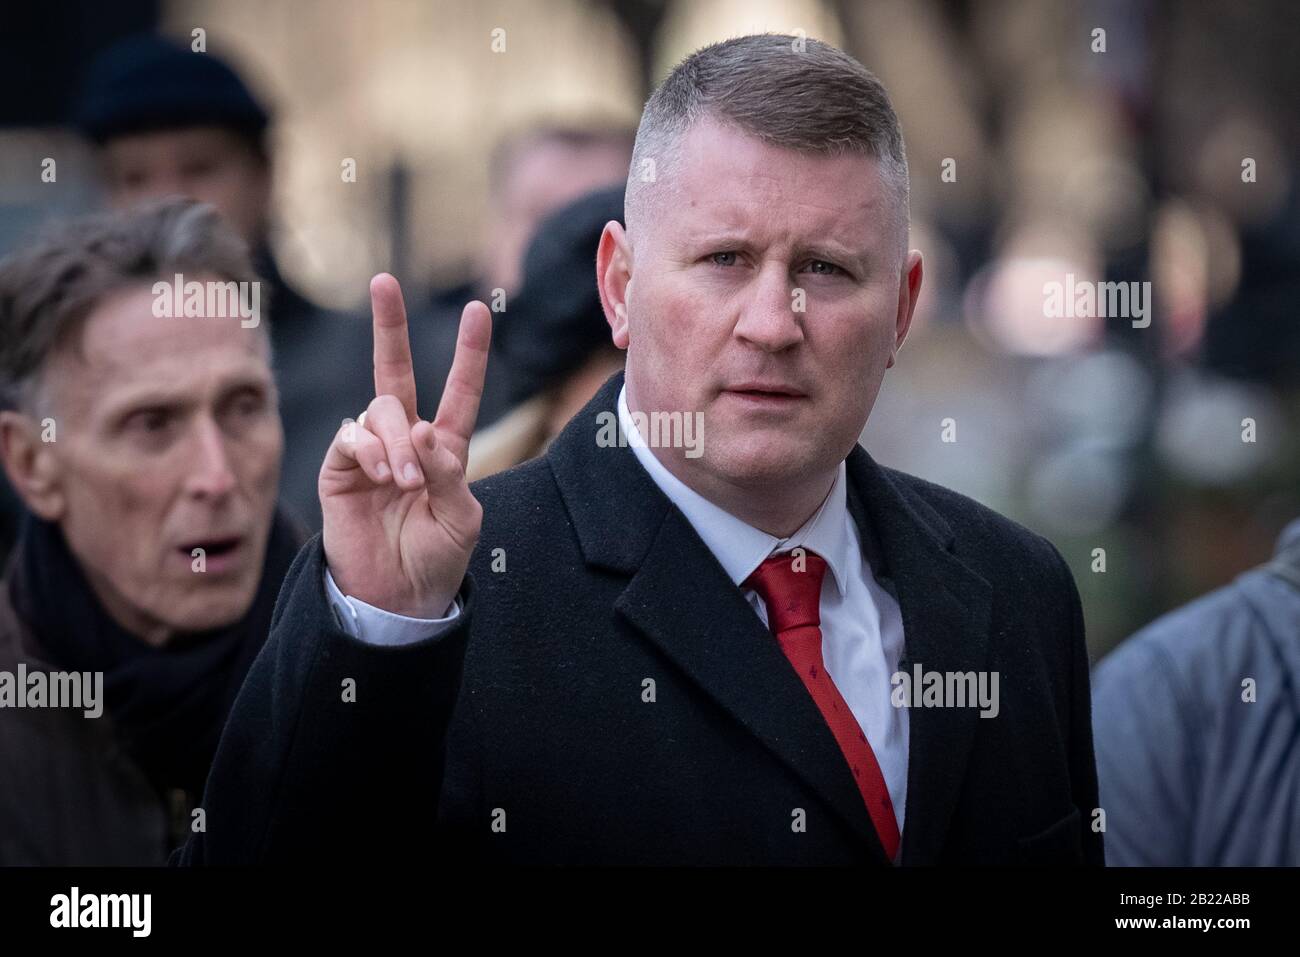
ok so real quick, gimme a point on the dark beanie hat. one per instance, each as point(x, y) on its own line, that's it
point(148, 82)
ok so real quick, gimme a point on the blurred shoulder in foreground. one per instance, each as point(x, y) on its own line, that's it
point(1197, 721)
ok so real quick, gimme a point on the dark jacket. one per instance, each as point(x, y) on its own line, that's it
point(70, 794)
point(114, 786)
point(534, 705)
point(1197, 719)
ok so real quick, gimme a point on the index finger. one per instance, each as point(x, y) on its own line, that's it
point(458, 409)
point(394, 374)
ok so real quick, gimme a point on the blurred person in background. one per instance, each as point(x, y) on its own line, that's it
point(167, 121)
point(1196, 724)
point(134, 440)
point(531, 174)
point(554, 337)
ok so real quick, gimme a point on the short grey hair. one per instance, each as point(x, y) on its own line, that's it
point(788, 91)
point(49, 288)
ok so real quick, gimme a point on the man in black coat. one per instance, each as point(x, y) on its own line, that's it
point(706, 627)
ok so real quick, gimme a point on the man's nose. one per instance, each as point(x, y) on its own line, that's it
point(768, 318)
point(210, 472)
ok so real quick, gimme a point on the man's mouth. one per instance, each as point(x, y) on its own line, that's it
point(217, 553)
point(765, 392)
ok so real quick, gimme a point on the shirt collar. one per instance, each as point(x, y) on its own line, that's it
point(738, 546)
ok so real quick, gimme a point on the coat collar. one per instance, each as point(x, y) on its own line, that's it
point(680, 598)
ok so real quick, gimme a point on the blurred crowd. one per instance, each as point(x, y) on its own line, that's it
point(1038, 148)
point(1137, 142)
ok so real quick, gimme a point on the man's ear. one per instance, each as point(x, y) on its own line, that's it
point(909, 290)
point(31, 465)
point(613, 277)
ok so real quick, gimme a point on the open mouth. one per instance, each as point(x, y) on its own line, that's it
point(213, 546)
point(217, 553)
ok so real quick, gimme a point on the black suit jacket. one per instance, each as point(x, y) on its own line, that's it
point(529, 733)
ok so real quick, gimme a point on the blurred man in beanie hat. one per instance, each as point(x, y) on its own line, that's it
point(166, 120)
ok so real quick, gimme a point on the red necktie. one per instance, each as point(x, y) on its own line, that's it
point(793, 599)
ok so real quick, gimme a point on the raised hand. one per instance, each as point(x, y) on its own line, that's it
point(399, 519)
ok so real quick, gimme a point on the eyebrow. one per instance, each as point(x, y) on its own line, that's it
point(834, 251)
point(825, 249)
point(154, 398)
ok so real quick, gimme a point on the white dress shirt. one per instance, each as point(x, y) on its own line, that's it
point(861, 623)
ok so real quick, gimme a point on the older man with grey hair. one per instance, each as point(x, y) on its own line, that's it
point(705, 627)
point(139, 427)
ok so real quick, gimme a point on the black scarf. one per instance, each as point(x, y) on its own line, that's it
point(168, 704)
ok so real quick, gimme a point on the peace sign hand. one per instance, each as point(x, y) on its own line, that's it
point(399, 519)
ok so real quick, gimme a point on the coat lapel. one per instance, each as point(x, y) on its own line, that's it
point(680, 599)
point(945, 611)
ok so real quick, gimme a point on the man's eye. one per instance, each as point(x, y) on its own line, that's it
point(730, 258)
point(248, 402)
point(196, 169)
point(822, 268)
point(150, 424)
